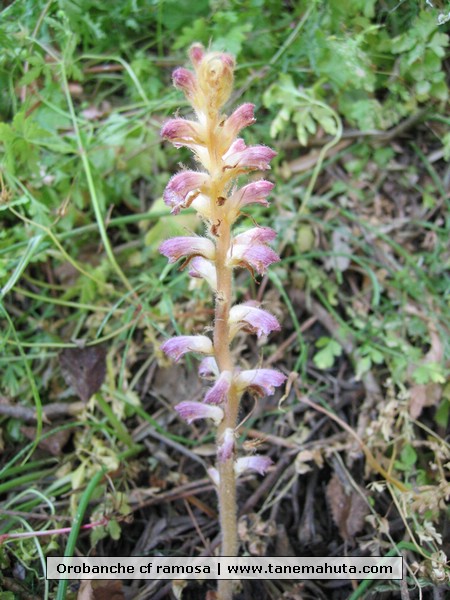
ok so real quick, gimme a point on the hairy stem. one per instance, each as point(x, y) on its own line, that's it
point(227, 486)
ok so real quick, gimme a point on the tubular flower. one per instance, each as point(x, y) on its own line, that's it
point(213, 192)
point(191, 411)
point(240, 156)
point(177, 247)
point(203, 269)
point(251, 319)
point(255, 192)
point(252, 463)
point(260, 381)
point(177, 346)
point(255, 258)
point(208, 367)
point(183, 188)
point(182, 132)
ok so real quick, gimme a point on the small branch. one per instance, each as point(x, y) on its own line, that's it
point(49, 412)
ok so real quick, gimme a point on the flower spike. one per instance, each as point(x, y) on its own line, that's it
point(213, 192)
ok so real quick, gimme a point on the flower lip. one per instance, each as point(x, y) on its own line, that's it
point(179, 345)
point(185, 80)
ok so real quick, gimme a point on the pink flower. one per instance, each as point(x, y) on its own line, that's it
point(203, 269)
point(240, 118)
point(185, 81)
point(183, 188)
point(256, 235)
point(255, 192)
point(191, 411)
point(251, 157)
point(255, 258)
point(208, 367)
point(252, 319)
point(177, 247)
point(226, 447)
point(219, 392)
point(252, 463)
point(177, 346)
point(182, 132)
point(262, 382)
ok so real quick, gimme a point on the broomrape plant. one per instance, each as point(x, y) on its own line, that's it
point(217, 197)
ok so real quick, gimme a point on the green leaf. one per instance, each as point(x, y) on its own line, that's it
point(429, 372)
point(324, 359)
point(408, 456)
point(114, 530)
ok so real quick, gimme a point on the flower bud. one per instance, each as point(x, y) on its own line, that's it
point(219, 392)
point(215, 80)
point(185, 81)
point(226, 447)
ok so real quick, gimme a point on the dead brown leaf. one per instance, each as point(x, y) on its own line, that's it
point(348, 510)
point(54, 443)
point(84, 369)
point(101, 589)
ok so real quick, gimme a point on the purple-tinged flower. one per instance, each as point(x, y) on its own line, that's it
point(226, 447)
point(177, 247)
point(219, 391)
point(183, 188)
point(185, 80)
point(257, 463)
point(208, 367)
point(262, 382)
point(203, 269)
point(255, 258)
point(252, 319)
point(256, 235)
point(182, 132)
point(214, 474)
point(250, 157)
point(240, 118)
point(255, 192)
point(196, 54)
point(175, 347)
point(191, 411)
